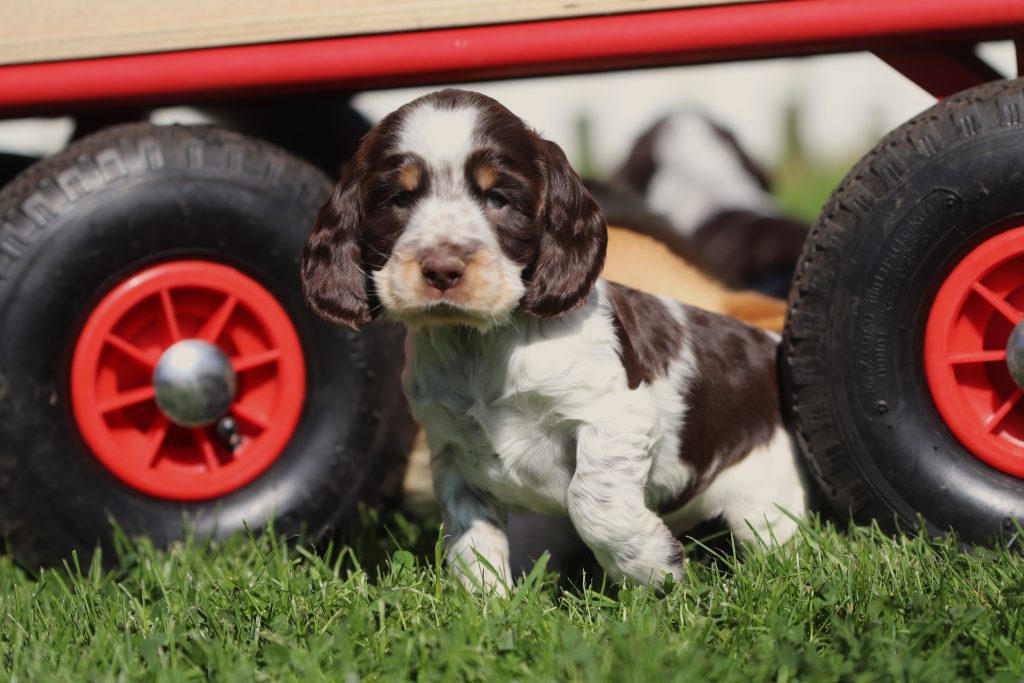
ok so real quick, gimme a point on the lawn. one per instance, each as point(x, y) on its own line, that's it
point(830, 606)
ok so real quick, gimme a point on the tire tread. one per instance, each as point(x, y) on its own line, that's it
point(961, 119)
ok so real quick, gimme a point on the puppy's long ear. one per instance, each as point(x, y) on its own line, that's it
point(572, 244)
point(333, 277)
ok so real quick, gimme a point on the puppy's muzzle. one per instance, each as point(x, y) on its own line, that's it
point(443, 266)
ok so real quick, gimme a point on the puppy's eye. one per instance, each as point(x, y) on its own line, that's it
point(495, 200)
point(402, 200)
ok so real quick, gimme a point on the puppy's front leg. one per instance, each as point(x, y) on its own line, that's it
point(474, 529)
point(607, 506)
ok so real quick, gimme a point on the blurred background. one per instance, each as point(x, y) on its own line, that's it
point(806, 120)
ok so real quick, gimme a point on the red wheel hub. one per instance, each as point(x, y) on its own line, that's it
point(969, 325)
point(112, 390)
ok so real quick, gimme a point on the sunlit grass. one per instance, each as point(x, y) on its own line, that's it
point(830, 606)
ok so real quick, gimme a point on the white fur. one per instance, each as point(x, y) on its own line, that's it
point(439, 135)
point(538, 414)
point(753, 496)
point(699, 175)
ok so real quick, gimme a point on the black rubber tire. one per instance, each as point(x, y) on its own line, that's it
point(853, 346)
point(11, 165)
point(76, 224)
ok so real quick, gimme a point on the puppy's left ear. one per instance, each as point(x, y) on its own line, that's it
point(573, 242)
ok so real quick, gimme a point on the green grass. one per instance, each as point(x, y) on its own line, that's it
point(831, 606)
point(802, 187)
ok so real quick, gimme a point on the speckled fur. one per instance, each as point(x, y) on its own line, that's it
point(556, 391)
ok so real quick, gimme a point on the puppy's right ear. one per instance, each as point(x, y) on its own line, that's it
point(333, 277)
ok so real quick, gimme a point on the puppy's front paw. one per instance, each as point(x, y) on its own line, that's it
point(480, 576)
point(649, 563)
point(479, 557)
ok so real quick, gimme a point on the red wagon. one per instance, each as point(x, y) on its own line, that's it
point(141, 249)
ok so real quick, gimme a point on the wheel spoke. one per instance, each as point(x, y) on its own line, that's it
point(243, 363)
point(169, 316)
point(202, 440)
point(992, 356)
point(213, 327)
point(248, 415)
point(999, 303)
point(132, 351)
point(1003, 411)
point(155, 439)
point(128, 398)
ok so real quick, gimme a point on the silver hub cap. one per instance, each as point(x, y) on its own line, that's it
point(1015, 355)
point(194, 382)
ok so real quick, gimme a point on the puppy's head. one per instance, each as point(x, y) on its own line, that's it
point(453, 211)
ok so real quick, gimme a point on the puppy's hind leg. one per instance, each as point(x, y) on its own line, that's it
point(755, 495)
point(607, 506)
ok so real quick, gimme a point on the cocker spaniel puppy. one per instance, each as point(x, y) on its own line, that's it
point(539, 384)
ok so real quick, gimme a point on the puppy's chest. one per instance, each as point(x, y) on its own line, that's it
point(508, 442)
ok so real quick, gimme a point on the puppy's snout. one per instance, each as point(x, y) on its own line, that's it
point(443, 267)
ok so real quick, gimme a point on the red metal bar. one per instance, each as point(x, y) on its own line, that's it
point(940, 69)
point(786, 27)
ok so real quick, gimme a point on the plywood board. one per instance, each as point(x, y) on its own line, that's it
point(48, 30)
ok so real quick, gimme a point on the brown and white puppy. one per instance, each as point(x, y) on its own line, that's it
point(540, 385)
point(638, 260)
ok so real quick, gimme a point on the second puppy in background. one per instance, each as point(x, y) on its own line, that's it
point(693, 172)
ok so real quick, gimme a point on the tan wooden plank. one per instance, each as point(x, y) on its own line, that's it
point(48, 30)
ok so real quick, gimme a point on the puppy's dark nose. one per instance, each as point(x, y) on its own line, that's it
point(442, 268)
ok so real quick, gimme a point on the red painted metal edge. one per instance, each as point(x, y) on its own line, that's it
point(786, 27)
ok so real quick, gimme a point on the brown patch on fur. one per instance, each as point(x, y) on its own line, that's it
point(515, 180)
point(733, 398)
point(649, 336)
point(572, 246)
point(354, 232)
point(486, 176)
point(409, 177)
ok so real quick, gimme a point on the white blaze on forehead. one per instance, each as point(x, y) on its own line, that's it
point(439, 135)
point(444, 139)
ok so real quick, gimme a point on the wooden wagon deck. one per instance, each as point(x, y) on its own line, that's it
point(50, 30)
